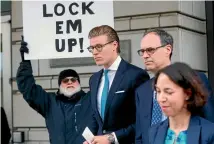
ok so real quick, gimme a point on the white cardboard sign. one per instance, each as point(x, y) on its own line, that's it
point(59, 29)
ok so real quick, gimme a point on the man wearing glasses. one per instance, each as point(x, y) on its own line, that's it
point(156, 52)
point(67, 112)
point(112, 89)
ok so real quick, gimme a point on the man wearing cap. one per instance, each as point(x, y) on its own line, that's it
point(67, 112)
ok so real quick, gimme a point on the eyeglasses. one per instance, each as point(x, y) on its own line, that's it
point(98, 47)
point(149, 50)
point(73, 80)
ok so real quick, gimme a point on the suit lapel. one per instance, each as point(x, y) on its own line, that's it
point(193, 132)
point(161, 133)
point(148, 102)
point(95, 88)
point(115, 84)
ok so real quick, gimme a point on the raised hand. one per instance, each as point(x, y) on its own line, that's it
point(23, 49)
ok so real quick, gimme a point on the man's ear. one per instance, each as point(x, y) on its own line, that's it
point(168, 50)
point(115, 44)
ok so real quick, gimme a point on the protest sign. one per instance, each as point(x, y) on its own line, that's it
point(59, 29)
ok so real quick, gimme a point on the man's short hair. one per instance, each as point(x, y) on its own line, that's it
point(105, 30)
point(165, 37)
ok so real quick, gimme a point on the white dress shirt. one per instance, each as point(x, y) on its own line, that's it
point(111, 74)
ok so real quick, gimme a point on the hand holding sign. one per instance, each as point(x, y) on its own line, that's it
point(23, 49)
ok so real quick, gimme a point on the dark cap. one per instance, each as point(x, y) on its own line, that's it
point(67, 73)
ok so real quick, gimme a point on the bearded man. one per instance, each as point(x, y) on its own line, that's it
point(67, 112)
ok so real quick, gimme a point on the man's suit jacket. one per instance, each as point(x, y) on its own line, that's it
point(120, 107)
point(144, 103)
point(200, 131)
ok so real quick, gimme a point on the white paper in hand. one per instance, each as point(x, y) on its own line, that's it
point(88, 135)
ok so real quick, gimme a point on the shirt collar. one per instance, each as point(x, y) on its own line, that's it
point(116, 64)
